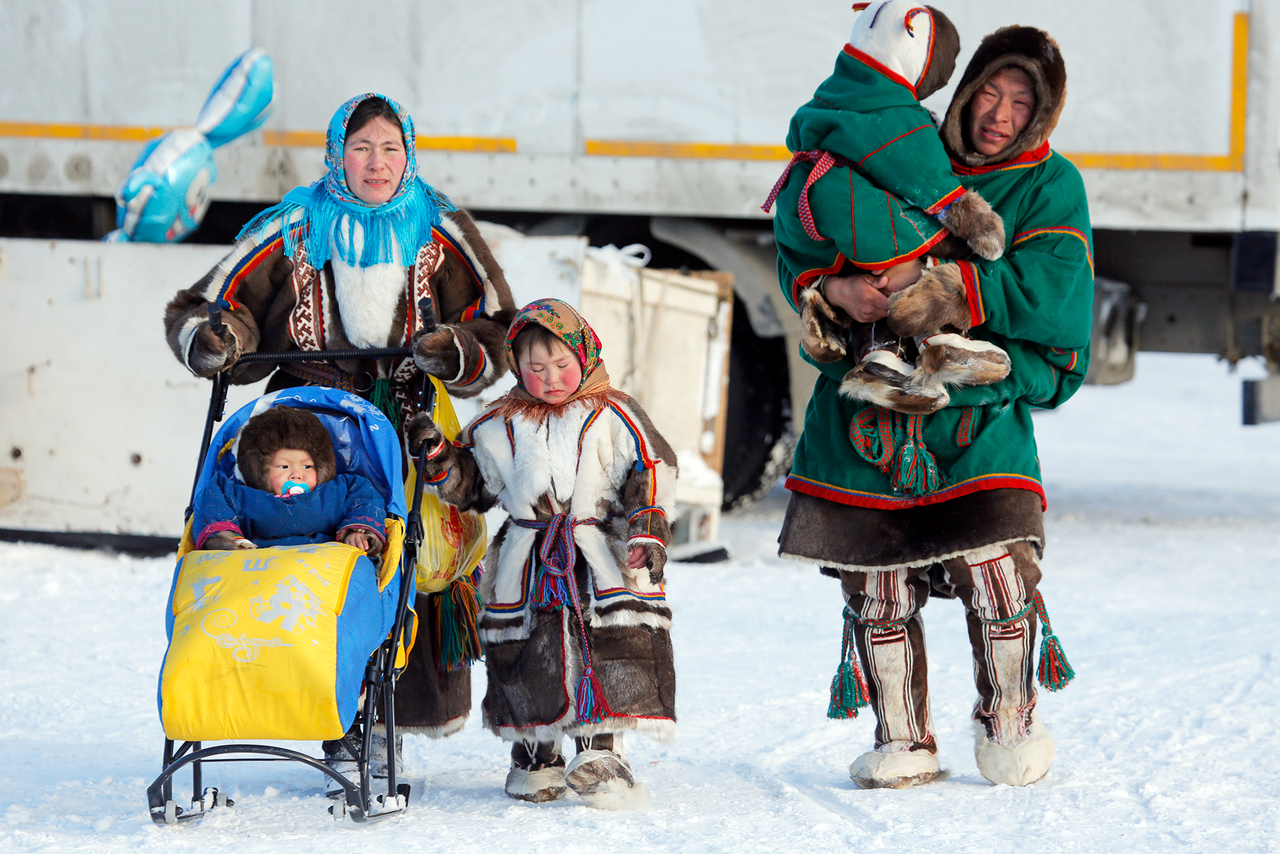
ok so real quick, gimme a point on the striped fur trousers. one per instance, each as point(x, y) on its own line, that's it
point(995, 584)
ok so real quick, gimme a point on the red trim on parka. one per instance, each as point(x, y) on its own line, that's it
point(1030, 158)
point(875, 64)
point(855, 498)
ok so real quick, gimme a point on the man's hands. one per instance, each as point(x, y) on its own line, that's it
point(865, 297)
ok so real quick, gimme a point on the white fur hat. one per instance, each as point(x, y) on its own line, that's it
point(898, 34)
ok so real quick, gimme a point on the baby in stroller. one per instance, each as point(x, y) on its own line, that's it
point(289, 641)
point(291, 493)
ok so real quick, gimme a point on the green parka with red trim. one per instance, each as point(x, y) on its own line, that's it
point(1035, 302)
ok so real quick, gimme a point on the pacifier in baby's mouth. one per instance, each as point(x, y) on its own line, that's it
point(292, 487)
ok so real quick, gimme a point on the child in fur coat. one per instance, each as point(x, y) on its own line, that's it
point(889, 202)
point(576, 628)
point(290, 495)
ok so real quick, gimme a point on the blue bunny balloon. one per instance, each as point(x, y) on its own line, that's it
point(166, 193)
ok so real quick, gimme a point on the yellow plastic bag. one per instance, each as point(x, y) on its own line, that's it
point(453, 541)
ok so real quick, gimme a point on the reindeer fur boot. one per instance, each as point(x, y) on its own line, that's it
point(955, 360)
point(895, 766)
point(1020, 764)
point(886, 380)
point(537, 773)
point(824, 329)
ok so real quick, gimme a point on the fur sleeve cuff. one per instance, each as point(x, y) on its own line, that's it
point(648, 525)
point(641, 540)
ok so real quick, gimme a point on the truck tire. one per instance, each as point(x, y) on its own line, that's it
point(758, 439)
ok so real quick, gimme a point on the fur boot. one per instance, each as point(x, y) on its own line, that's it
point(1020, 764)
point(824, 329)
point(601, 775)
point(972, 219)
point(955, 360)
point(537, 773)
point(886, 380)
point(895, 766)
point(937, 301)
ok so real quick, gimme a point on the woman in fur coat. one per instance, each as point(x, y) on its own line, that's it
point(576, 628)
point(951, 504)
point(342, 264)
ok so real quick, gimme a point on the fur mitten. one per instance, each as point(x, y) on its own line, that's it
point(936, 301)
point(376, 543)
point(824, 329)
point(657, 561)
point(226, 541)
point(209, 352)
point(972, 219)
point(438, 353)
point(958, 361)
point(885, 380)
point(421, 431)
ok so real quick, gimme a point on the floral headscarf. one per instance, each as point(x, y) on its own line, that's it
point(406, 219)
point(563, 321)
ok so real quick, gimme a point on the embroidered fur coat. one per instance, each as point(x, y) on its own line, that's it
point(278, 304)
point(588, 469)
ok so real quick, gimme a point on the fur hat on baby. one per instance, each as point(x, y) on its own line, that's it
point(283, 427)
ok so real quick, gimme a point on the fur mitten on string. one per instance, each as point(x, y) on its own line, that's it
point(971, 219)
point(824, 329)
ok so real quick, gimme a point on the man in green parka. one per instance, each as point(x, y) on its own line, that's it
point(951, 504)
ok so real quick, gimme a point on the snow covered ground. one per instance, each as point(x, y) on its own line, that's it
point(1160, 579)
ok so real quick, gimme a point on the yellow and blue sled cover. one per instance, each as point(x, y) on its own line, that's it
point(271, 643)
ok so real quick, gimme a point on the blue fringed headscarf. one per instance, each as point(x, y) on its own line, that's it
point(405, 219)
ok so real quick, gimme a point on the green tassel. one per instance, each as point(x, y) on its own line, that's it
point(1054, 672)
point(385, 400)
point(849, 690)
point(457, 608)
point(915, 470)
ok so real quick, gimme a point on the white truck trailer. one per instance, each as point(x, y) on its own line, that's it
point(662, 123)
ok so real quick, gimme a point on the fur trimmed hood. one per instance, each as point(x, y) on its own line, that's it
point(283, 427)
point(1035, 52)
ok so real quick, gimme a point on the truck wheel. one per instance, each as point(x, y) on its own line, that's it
point(758, 439)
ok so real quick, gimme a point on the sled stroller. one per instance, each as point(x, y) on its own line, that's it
point(298, 643)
